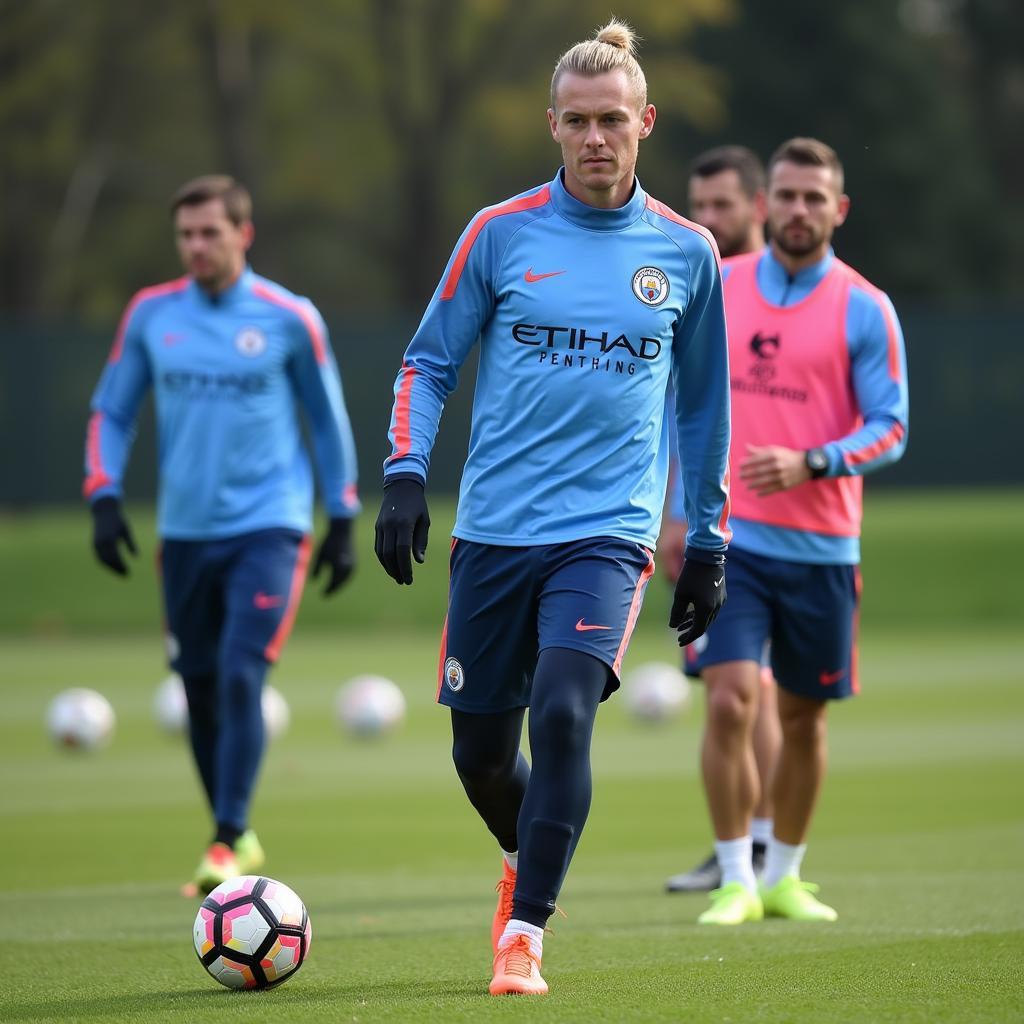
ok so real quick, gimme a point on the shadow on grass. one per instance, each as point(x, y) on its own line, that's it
point(211, 1003)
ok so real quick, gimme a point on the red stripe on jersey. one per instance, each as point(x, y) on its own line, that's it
point(892, 437)
point(277, 641)
point(634, 611)
point(669, 214)
point(723, 523)
point(531, 202)
point(402, 434)
point(303, 312)
point(350, 496)
point(152, 292)
point(97, 477)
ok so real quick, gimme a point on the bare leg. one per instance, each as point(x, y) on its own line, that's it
point(767, 743)
point(802, 762)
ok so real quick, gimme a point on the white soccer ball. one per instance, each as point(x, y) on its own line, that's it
point(80, 719)
point(170, 708)
point(369, 705)
point(276, 715)
point(656, 691)
point(252, 932)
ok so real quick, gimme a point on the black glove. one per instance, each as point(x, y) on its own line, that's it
point(335, 553)
point(700, 594)
point(108, 528)
point(402, 526)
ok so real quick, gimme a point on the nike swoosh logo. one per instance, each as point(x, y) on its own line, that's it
point(582, 628)
point(828, 678)
point(173, 339)
point(718, 583)
point(530, 277)
point(265, 601)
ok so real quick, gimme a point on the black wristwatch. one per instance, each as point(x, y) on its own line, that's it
point(817, 462)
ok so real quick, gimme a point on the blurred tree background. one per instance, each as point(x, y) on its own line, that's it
point(370, 132)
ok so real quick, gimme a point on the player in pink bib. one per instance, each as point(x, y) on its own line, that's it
point(819, 398)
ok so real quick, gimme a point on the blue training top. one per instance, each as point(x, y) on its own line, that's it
point(582, 313)
point(228, 372)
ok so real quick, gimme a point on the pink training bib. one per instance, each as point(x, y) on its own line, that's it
point(791, 386)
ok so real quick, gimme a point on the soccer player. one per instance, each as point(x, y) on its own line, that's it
point(726, 195)
point(819, 399)
point(586, 294)
point(231, 357)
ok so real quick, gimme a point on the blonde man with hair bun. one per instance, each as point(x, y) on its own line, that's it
point(587, 296)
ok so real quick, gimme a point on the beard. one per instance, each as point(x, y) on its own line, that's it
point(791, 247)
point(731, 245)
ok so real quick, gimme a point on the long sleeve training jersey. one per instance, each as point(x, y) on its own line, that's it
point(229, 373)
point(582, 315)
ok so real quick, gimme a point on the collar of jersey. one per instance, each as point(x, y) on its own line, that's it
point(591, 217)
point(774, 280)
point(238, 290)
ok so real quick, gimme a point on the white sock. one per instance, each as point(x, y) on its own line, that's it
point(511, 859)
point(761, 830)
point(531, 931)
point(734, 860)
point(781, 861)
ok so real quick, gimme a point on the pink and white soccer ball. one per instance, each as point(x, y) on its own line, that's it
point(656, 691)
point(80, 719)
point(170, 708)
point(252, 932)
point(369, 705)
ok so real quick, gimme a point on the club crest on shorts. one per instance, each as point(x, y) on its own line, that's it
point(251, 342)
point(454, 674)
point(650, 286)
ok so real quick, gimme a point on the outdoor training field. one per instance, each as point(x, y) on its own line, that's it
point(918, 842)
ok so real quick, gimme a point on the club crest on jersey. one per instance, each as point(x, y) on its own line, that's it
point(251, 342)
point(454, 674)
point(650, 286)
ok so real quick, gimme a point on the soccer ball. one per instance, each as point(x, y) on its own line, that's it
point(170, 708)
point(81, 719)
point(276, 715)
point(369, 705)
point(656, 691)
point(252, 932)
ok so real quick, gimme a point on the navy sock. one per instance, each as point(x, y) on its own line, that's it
point(241, 737)
point(567, 688)
point(227, 834)
point(494, 774)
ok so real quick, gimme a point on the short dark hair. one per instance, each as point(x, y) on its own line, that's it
point(807, 152)
point(745, 162)
point(235, 196)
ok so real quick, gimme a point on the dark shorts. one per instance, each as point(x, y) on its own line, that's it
point(507, 604)
point(808, 613)
point(236, 594)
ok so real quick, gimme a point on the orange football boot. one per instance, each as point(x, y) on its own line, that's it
point(517, 970)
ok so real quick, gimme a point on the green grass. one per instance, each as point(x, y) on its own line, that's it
point(919, 839)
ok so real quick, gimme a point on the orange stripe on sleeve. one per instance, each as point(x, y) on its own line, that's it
point(531, 202)
point(892, 437)
point(402, 434)
point(669, 214)
point(97, 477)
point(303, 312)
point(153, 292)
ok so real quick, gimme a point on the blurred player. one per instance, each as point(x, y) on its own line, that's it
point(586, 294)
point(819, 398)
point(726, 195)
point(230, 357)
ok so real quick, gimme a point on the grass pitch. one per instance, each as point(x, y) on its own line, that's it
point(919, 839)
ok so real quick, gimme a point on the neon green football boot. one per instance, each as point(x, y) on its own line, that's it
point(218, 865)
point(249, 853)
point(732, 904)
point(793, 899)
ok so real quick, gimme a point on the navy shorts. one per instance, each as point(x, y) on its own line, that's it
point(507, 604)
point(807, 612)
point(236, 594)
